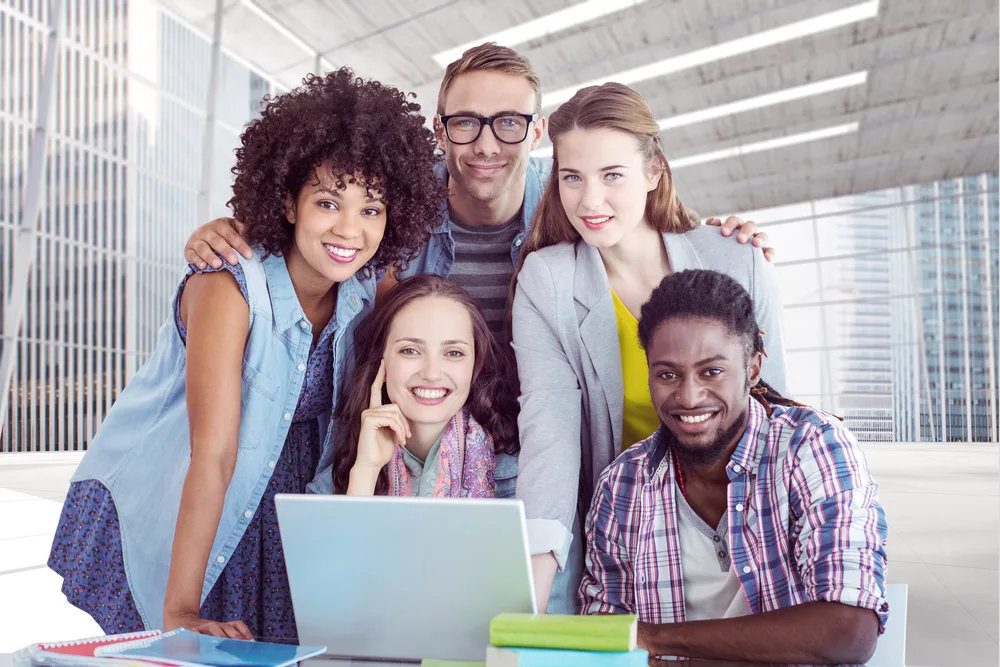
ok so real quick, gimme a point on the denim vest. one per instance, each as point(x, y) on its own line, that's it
point(439, 255)
point(141, 452)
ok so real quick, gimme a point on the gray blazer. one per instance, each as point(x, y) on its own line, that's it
point(569, 364)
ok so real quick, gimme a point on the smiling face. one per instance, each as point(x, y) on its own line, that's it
point(699, 380)
point(429, 359)
point(488, 169)
point(337, 230)
point(603, 182)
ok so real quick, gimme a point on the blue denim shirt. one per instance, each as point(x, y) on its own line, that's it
point(439, 256)
point(141, 452)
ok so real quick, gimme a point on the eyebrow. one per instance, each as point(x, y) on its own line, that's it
point(421, 341)
point(336, 193)
point(469, 112)
point(614, 166)
point(718, 357)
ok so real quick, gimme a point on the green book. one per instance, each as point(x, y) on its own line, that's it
point(580, 633)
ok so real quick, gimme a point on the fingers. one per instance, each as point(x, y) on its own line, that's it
point(715, 222)
point(233, 238)
point(390, 417)
point(760, 240)
point(376, 396)
point(200, 254)
point(769, 254)
point(746, 229)
point(242, 628)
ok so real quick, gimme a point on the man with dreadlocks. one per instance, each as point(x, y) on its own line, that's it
point(748, 526)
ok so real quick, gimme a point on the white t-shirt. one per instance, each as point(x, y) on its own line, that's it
point(711, 587)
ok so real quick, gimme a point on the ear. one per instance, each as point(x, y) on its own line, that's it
point(290, 213)
point(439, 134)
point(753, 368)
point(656, 169)
point(538, 133)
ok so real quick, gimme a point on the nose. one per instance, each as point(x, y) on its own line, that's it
point(593, 196)
point(689, 393)
point(349, 224)
point(487, 144)
point(432, 368)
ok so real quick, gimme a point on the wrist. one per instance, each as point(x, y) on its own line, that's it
point(361, 481)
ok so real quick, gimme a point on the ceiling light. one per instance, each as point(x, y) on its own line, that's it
point(766, 100)
point(750, 104)
point(577, 14)
point(761, 146)
point(757, 41)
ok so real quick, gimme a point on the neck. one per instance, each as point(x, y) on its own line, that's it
point(489, 213)
point(315, 293)
point(422, 438)
point(640, 256)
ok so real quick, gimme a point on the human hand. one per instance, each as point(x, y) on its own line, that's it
point(221, 236)
point(746, 231)
point(382, 428)
point(195, 623)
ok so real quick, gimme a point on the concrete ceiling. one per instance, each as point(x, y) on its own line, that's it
point(928, 110)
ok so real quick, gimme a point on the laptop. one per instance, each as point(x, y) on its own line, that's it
point(402, 579)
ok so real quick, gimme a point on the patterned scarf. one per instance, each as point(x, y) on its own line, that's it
point(465, 462)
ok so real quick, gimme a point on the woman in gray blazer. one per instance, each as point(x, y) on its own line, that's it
point(609, 228)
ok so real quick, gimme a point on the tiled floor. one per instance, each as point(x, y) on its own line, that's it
point(942, 502)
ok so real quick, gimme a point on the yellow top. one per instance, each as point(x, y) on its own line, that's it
point(639, 419)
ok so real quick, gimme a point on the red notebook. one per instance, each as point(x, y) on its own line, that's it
point(86, 647)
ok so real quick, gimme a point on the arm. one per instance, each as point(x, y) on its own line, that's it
point(549, 425)
point(811, 633)
point(608, 580)
point(218, 237)
point(217, 318)
point(768, 310)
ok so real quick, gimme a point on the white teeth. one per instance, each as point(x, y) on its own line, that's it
point(341, 252)
point(695, 420)
point(599, 221)
point(429, 394)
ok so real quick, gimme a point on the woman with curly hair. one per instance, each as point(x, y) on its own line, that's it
point(432, 402)
point(170, 518)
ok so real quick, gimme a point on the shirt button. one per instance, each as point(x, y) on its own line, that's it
point(271, 464)
point(304, 324)
point(248, 514)
point(737, 468)
point(746, 569)
point(716, 538)
point(288, 417)
point(722, 554)
point(220, 559)
point(302, 367)
point(739, 507)
point(517, 243)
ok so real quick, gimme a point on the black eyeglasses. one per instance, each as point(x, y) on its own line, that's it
point(509, 128)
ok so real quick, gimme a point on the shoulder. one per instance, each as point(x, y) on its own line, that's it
point(626, 470)
point(543, 165)
point(808, 427)
point(718, 252)
point(548, 262)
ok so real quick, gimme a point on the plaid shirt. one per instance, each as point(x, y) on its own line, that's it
point(804, 522)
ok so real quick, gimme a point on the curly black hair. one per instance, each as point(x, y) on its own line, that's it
point(709, 295)
point(358, 127)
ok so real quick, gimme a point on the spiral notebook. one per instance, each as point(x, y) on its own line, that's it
point(81, 651)
point(190, 649)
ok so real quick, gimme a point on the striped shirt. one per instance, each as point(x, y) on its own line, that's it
point(804, 522)
point(483, 266)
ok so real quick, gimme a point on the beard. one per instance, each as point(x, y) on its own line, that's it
point(699, 456)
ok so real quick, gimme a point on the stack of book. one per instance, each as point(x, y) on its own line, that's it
point(552, 640)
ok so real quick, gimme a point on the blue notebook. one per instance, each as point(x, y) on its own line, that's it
point(183, 647)
point(547, 657)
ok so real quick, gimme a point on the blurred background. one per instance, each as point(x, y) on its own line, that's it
point(861, 136)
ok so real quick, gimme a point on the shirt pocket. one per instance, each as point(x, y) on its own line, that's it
point(505, 474)
point(257, 406)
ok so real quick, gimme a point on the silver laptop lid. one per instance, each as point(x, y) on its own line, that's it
point(403, 578)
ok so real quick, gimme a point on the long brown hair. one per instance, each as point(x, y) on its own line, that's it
point(611, 106)
point(492, 397)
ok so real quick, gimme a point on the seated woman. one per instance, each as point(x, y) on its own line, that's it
point(170, 519)
point(432, 402)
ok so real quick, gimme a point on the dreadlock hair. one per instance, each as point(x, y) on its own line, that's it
point(710, 295)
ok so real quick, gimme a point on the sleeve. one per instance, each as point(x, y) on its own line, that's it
point(841, 528)
point(607, 584)
point(238, 274)
point(768, 310)
point(549, 422)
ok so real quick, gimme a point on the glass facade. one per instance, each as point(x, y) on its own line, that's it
point(120, 184)
point(891, 308)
